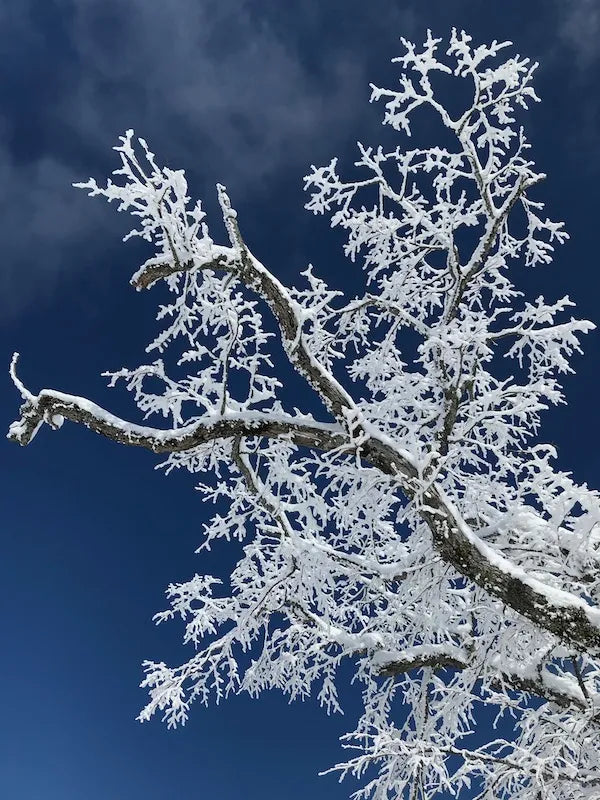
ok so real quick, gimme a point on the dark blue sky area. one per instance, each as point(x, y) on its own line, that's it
point(249, 94)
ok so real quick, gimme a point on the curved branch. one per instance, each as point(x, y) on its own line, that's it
point(52, 407)
point(239, 260)
point(561, 613)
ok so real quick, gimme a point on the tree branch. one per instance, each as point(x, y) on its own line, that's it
point(52, 407)
point(150, 273)
point(439, 657)
point(562, 613)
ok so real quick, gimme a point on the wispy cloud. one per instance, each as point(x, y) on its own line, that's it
point(218, 87)
point(579, 27)
point(232, 90)
point(211, 81)
point(42, 224)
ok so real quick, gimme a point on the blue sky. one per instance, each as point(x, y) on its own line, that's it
point(249, 94)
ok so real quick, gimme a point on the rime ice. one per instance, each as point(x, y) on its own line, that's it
point(419, 527)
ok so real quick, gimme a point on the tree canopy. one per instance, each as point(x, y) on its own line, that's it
point(417, 526)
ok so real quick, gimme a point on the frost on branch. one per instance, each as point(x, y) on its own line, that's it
point(418, 527)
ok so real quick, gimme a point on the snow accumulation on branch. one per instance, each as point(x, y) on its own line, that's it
point(421, 529)
point(54, 407)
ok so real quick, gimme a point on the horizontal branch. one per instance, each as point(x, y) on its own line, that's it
point(567, 616)
point(152, 272)
point(562, 691)
point(559, 612)
point(52, 407)
point(434, 656)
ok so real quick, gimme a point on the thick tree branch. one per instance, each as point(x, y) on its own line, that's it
point(52, 407)
point(153, 272)
point(562, 613)
point(544, 684)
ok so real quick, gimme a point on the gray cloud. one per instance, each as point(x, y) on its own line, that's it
point(579, 27)
point(213, 81)
point(571, 49)
point(219, 88)
point(43, 220)
point(238, 91)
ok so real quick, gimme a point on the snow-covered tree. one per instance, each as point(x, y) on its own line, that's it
point(415, 526)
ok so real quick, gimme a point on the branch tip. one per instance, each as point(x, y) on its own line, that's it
point(23, 391)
